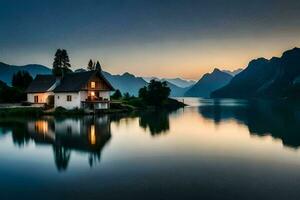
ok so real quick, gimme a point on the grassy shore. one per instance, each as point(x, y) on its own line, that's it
point(117, 106)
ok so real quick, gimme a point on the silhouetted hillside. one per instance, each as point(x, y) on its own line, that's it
point(276, 77)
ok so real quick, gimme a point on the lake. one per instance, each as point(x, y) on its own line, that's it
point(212, 149)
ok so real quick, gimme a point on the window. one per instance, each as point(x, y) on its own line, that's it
point(93, 84)
point(36, 99)
point(69, 98)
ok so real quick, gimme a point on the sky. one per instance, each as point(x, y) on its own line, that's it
point(163, 38)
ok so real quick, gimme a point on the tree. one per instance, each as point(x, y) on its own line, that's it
point(156, 93)
point(10, 94)
point(116, 95)
point(126, 96)
point(61, 62)
point(143, 92)
point(21, 80)
point(65, 59)
point(91, 65)
point(98, 66)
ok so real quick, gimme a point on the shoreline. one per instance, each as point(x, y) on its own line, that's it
point(122, 106)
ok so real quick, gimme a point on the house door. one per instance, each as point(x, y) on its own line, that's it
point(36, 99)
point(50, 101)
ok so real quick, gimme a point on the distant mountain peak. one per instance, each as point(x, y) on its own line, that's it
point(208, 83)
point(128, 75)
point(233, 72)
point(216, 70)
point(294, 51)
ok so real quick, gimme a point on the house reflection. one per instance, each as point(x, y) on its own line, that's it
point(278, 119)
point(86, 135)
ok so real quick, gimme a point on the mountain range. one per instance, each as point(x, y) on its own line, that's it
point(125, 83)
point(275, 78)
point(175, 81)
point(7, 71)
point(129, 83)
point(209, 83)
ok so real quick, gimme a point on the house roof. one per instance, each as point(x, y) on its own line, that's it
point(41, 83)
point(73, 82)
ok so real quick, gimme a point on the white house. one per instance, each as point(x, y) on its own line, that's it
point(41, 88)
point(74, 90)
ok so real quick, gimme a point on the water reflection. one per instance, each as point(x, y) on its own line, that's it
point(86, 135)
point(278, 119)
point(156, 121)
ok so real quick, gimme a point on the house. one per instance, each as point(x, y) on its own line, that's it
point(87, 90)
point(41, 88)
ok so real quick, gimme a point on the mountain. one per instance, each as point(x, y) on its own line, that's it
point(126, 82)
point(129, 83)
point(175, 90)
point(233, 72)
point(180, 82)
point(208, 83)
point(148, 79)
point(277, 77)
point(175, 81)
point(7, 71)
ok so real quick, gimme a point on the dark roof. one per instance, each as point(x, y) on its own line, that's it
point(73, 82)
point(41, 83)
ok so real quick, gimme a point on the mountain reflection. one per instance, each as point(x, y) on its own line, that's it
point(278, 119)
point(87, 135)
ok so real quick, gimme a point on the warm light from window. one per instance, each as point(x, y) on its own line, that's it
point(41, 126)
point(93, 135)
point(93, 94)
point(93, 84)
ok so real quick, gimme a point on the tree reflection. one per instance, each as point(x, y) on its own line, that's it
point(61, 157)
point(20, 135)
point(156, 121)
point(278, 119)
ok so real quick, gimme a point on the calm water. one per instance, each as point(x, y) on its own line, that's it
point(224, 149)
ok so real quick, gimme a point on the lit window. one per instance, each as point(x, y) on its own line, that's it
point(93, 94)
point(69, 98)
point(93, 84)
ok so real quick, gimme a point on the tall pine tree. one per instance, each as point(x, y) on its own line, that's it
point(91, 65)
point(98, 66)
point(61, 62)
point(21, 80)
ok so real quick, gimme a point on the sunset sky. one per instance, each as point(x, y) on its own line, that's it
point(164, 38)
